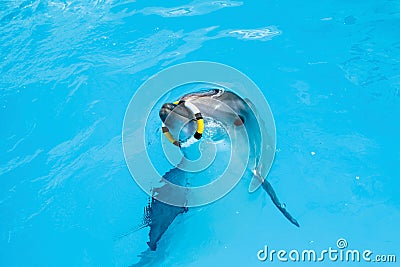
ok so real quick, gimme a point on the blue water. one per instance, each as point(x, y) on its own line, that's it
point(329, 70)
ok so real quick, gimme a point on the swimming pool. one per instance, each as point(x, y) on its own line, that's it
point(329, 70)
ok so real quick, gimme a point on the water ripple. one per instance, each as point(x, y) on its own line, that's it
point(44, 41)
point(261, 34)
point(194, 8)
point(18, 162)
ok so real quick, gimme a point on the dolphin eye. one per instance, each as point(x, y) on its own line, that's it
point(239, 121)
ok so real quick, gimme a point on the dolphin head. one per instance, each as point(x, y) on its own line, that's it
point(179, 120)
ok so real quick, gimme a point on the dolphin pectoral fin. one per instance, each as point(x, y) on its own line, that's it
point(255, 182)
point(268, 187)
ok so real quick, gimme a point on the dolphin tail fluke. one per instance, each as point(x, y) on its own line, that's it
point(268, 187)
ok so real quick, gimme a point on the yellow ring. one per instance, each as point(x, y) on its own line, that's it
point(200, 126)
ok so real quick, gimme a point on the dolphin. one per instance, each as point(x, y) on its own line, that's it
point(231, 110)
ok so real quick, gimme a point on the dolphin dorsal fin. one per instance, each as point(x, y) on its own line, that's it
point(255, 182)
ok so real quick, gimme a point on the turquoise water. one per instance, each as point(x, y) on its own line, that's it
point(329, 70)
